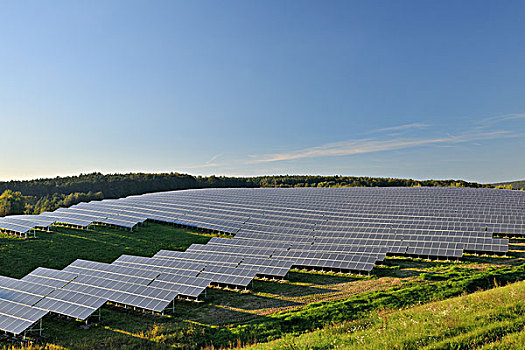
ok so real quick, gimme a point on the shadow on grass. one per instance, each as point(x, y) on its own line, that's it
point(224, 307)
point(288, 289)
point(517, 247)
point(418, 263)
point(385, 271)
point(120, 328)
point(116, 330)
point(512, 259)
point(5, 238)
point(321, 279)
point(246, 301)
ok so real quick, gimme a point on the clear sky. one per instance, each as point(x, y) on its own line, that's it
point(419, 89)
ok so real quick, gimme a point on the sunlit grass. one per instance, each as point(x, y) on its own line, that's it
point(495, 316)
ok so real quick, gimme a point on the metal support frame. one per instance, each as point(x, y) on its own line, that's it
point(32, 329)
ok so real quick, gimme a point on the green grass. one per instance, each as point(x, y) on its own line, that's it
point(494, 319)
point(59, 248)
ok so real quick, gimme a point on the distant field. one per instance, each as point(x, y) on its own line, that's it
point(271, 310)
point(59, 248)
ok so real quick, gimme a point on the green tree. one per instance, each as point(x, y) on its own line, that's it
point(11, 203)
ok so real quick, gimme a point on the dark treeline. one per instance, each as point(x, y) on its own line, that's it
point(352, 181)
point(36, 196)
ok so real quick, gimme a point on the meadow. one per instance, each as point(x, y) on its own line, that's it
point(493, 319)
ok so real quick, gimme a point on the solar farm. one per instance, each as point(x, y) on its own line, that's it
point(260, 234)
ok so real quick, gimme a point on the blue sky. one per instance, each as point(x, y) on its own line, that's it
point(419, 89)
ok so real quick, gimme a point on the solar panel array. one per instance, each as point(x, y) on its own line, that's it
point(82, 287)
point(274, 230)
point(363, 223)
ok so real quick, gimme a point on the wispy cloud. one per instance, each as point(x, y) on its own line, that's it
point(370, 145)
point(486, 122)
point(402, 127)
point(201, 166)
point(210, 161)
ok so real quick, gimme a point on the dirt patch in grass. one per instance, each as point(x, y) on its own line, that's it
point(262, 303)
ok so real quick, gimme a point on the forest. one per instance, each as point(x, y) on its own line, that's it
point(39, 195)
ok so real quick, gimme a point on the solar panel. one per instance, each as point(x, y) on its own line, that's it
point(143, 297)
point(188, 286)
point(71, 303)
point(16, 318)
point(125, 274)
point(22, 291)
point(49, 277)
point(178, 267)
point(231, 276)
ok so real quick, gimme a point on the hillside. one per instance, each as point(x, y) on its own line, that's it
point(494, 319)
point(515, 185)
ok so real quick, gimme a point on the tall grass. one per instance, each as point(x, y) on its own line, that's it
point(494, 319)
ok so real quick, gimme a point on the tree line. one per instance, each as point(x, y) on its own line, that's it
point(39, 195)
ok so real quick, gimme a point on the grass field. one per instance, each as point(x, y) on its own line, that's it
point(271, 310)
point(59, 248)
point(493, 319)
